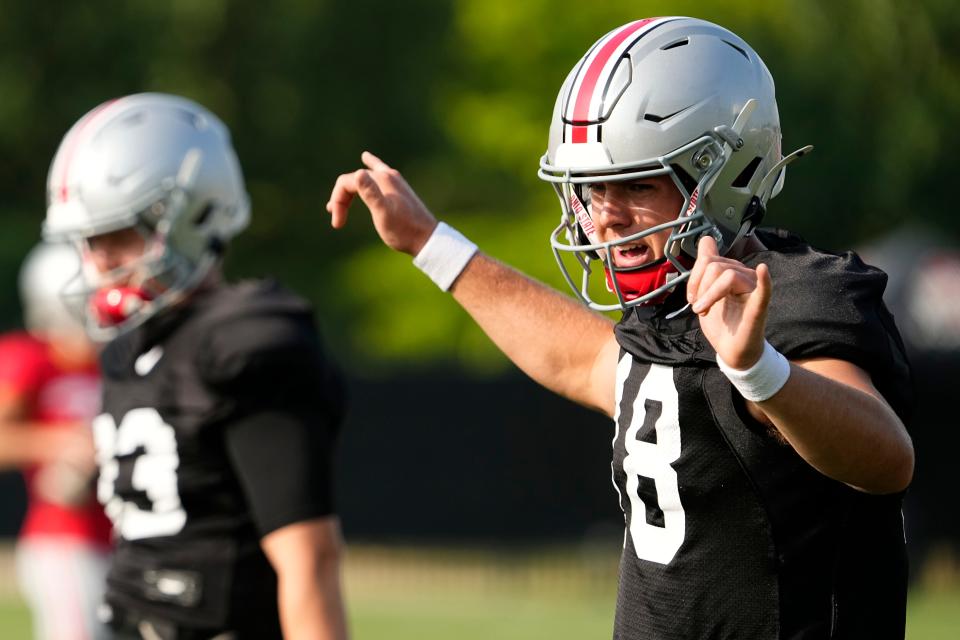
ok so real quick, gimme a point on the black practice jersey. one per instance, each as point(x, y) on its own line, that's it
point(218, 428)
point(730, 534)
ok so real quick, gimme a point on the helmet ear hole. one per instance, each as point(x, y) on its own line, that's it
point(743, 180)
point(217, 246)
point(204, 215)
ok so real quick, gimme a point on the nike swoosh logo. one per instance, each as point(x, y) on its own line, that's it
point(145, 362)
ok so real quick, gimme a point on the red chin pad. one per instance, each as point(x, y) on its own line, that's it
point(113, 305)
point(640, 282)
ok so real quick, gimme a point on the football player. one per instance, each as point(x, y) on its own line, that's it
point(757, 385)
point(220, 405)
point(49, 393)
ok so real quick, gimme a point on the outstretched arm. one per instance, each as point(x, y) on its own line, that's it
point(559, 343)
point(828, 410)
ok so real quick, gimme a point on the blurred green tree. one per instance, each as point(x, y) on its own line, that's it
point(873, 84)
point(458, 95)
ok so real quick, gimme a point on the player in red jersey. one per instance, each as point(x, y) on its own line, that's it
point(49, 392)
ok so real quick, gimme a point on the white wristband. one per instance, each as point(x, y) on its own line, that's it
point(445, 255)
point(763, 379)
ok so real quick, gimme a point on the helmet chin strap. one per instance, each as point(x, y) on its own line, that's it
point(646, 279)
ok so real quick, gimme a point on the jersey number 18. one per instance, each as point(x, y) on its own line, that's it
point(652, 441)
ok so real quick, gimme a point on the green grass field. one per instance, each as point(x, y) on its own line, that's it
point(472, 594)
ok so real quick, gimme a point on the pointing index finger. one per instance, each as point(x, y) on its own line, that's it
point(373, 162)
point(708, 246)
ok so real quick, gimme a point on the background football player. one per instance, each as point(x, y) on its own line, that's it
point(49, 393)
point(757, 385)
point(220, 406)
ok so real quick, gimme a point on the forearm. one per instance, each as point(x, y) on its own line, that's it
point(556, 341)
point(311, 603)
point(24, 443)
point(306, 557)
point(844, 432)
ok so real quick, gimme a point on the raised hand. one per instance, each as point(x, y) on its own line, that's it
point(731, 300)
point(401, 219)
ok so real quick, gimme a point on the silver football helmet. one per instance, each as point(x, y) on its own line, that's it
point(164, 166)
point(672, 96)
point(44, 275)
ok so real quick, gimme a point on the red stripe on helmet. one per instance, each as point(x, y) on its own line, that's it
point(578, 134)
point(72, 144)
point(581, 109)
